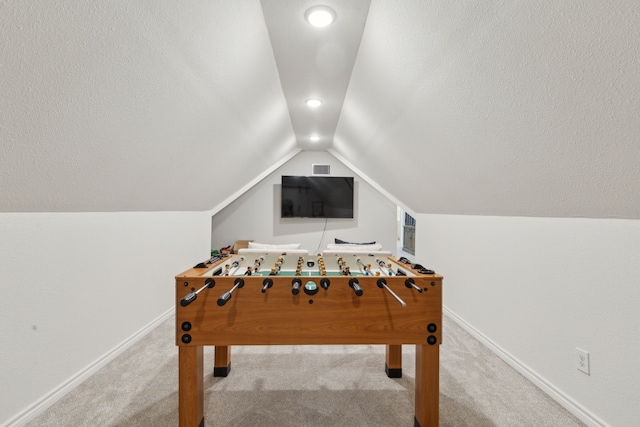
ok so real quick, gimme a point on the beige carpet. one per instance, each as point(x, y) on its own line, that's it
point(307, 386)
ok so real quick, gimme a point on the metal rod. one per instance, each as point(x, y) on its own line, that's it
point(236, 265)
point(385, 269)
point(191, 296)
point(393, 294)
point(363, 268)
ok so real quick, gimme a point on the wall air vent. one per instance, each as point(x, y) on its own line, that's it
point(321, 169)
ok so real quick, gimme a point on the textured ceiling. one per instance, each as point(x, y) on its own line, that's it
point(481, 108)
point(127, 105)
point(499, 107)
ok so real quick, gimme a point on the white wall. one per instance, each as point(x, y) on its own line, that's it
point(76, 287)
point(256, 214)
point(536, 288)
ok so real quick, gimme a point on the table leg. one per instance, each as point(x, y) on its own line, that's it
point(191, 386)
point(393, 361)
point(222, 361)
point(427, 385)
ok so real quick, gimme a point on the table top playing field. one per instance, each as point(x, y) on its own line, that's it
point(308, 266)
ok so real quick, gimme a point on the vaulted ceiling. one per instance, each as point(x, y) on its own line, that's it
point(482, 108)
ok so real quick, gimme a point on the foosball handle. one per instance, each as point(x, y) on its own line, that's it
point(353, 283)
point(227, 295)
point(267, 283)
point(409, 283)
point(382, 284)
point(295, 286)
point(224, 298)
point(188, 299)
point(191, 296)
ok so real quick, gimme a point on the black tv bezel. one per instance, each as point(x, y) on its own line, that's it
point(353, 197)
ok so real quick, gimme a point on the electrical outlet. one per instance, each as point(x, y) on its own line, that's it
point(582, 360)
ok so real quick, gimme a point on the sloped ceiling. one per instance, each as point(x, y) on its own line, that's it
point(481, 108)
point(315, 62)
point(136, 106)
point(499, 107)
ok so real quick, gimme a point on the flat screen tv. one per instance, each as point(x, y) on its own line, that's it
point(316, 197)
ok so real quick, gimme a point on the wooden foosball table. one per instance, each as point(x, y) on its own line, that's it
point(295, 300)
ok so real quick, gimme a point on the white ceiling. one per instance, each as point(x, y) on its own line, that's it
point(481, 108)
point(314, 62)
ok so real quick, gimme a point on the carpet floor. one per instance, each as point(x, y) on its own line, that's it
point(315, 386)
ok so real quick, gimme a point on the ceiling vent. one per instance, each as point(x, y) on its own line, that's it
point(321, 169)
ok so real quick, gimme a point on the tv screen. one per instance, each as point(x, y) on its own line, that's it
point(317, 197)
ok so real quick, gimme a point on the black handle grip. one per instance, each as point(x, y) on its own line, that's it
point(295, 286)
point(353, 283)
point(238, 283)
point(224, 298)
point(188, 299)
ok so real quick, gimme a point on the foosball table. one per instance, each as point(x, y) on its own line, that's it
point(298, 299)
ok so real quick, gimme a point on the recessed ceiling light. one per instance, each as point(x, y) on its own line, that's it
point(320, 16)
point(313, 102)
point(314, 138)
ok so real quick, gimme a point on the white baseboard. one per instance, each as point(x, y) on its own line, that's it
point(41, 405)
point(566, 401)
